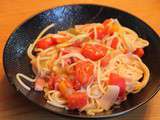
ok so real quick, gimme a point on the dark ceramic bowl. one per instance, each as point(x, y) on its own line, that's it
point(16, 61)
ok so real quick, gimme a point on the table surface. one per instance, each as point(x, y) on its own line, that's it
point(15, 107)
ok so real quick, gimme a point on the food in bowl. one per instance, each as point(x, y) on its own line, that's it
point(90, 67)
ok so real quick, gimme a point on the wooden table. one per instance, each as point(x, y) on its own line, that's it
point(13, 12)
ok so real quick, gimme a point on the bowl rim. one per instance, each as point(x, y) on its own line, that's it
point(66, 114)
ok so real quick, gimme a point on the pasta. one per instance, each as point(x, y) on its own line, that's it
point(89, 67)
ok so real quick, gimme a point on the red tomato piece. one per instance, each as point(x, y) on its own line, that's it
point(101, 33)
point(114, 27)
point(39, 84)
point(105, 60)
point(53, 82)
point(83, 72)
point(115, 79)
point(77, 43)
point(93, 51)
point(45, 43)
point(139, 52)
point(114, 43)
point(76, 84)
point(91, 34)
point(65, 88)
point(77, 100)
point(106, 22)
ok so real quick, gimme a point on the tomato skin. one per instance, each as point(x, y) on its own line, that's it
point(65, 87)
point(83, 72)
point(139, 52)
point(93, 51)
point(45, 43)
point(115, 79)
point(77, 100)
point(114, 43)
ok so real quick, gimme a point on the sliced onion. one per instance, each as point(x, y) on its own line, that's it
point(109, 98)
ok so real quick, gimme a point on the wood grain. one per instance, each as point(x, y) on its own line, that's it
point(14, 106)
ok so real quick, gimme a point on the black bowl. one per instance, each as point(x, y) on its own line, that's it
point(16, 61)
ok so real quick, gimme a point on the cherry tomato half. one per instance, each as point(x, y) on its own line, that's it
point(45, 43)
point(83, 72)
point(77, 100)
point(139, 52)
point(93, 51)
point(115, 79)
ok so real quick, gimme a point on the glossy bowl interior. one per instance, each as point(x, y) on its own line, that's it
point(16, 60)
